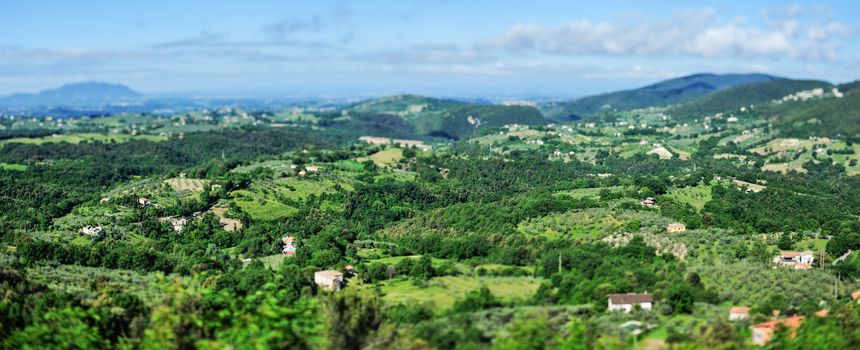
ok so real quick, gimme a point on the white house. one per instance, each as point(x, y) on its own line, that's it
point(798, 260)
point(329, 280)
point(95, 231)
point(737, 313)
point(626, 302)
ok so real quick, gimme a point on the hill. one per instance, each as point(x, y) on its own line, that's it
point(751, 94)
point(849, 86)
point(441, 118)
point(660, 94)
point(828, 116)
point(79, 94)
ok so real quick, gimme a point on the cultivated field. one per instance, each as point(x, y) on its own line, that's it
point(385, 157)
point(185, 184)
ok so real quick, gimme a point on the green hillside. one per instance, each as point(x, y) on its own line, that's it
point(818, 117)
point(660, 94)
point(849, 86)
point(432, 117)
point(408, 107)
point(752, 94)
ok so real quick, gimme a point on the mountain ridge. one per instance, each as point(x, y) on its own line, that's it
point(663, 93)
point(90, 93)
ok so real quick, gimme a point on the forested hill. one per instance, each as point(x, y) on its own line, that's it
point(660, 94)
point(420, 116)
point(752, 94)
point(827, 116)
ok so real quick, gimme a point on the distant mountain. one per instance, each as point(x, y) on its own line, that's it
point(450, 119)
point(664, 93)
point(88, 94)
point(731, 99)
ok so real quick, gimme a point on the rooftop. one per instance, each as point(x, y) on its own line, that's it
point(329, 274)
point(740, 310)
point(630, 298)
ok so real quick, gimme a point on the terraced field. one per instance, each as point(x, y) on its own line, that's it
point(185, 184)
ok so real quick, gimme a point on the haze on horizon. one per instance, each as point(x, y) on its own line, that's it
point(450, 48)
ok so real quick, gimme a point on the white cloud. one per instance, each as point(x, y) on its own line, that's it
point(697, 33)
point(428, 54)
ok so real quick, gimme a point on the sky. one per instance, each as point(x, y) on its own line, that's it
point(442, 48)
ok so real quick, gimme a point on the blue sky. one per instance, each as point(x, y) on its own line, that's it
point(442, 48)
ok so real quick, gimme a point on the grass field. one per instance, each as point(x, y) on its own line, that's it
point(259, 207)
point(782, 145)
point(185, 184)
point(696, 196)
point(385, 157)
point(444, 291)
point(393, 260)
point(350, 165)
point(13, 166)
point(78, 138)
point(300, 188)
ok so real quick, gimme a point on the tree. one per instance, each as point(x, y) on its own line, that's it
point(477, 300)
point(66, 328)
point(423, 268)
point(785, 242)
point(532, 334)
point(680, 297)
point(353, 316)
point(760, 253)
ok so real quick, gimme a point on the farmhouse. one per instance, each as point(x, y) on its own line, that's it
point(676, 227)
point(289, 245)
point(762, 332)
point(329, 280)
point(626, 302)
point(649, 202)
point(798, 260)
point(177, 222)
point(312, 169)
point(737, 313)
point(95, 231)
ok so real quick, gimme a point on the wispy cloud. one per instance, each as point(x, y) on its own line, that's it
point(290, 26)
point(697, 33)
point(429, 54)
